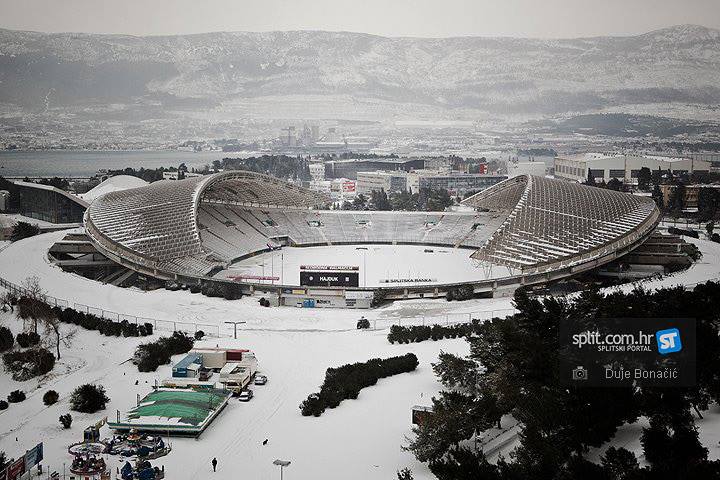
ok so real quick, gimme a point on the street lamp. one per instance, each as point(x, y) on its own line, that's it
point(364, 249)
point(282, 464)
point(235, 324)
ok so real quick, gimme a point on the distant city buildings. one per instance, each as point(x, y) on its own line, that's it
point(624, 167)
point(310, 139)
point(690, 196)
point(456, 183)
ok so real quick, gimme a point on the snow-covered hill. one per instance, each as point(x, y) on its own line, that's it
point(503, 75)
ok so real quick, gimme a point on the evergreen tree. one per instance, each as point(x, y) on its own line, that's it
point(23, 230)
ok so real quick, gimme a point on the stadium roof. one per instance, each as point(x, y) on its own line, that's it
point(542, 225)
point(159, 222)
point(550, 221)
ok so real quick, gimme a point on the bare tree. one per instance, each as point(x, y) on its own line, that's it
point(7, 299)
point(34, 306)
point(53, 326)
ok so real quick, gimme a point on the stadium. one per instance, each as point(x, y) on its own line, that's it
point(259, 234)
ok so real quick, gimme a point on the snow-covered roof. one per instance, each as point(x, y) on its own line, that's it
point(553, 221)
point(113, 184)
point(50, 188)
point(158, 222)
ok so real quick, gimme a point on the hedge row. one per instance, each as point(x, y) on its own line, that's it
point(149, 356)
point(346, 381)
point(419, 333)
point(682, 231)
point(102, 325)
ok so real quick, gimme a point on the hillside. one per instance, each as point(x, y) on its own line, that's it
point(499, 75)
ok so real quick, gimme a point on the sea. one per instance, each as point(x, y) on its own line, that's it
point(68, 163)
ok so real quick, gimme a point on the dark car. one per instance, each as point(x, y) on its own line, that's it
point(245, 395)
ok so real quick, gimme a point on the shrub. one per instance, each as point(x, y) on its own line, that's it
point(419, 333)
point(149, 356)
point(199, 335)
point(66, 420)
point(16, 396)
point(312, 406)
point(27, 364)
point(88, 398)
point(6, 339)
point(345, 382)
point(51, 397)
point(28, 339)
point(3, 405)
point(23, 230)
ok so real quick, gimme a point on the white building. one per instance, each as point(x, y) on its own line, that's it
point(317, 171)
point(339, 189)
point(624, 167)
point(390, 181)
point(526, 168)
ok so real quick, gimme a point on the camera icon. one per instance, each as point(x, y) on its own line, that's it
point(579, 373)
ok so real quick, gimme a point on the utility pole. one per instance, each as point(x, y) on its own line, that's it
point(235, 324)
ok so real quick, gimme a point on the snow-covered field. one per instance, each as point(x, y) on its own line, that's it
point(361, 439)
point(377, 264)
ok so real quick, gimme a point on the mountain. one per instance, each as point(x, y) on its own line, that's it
point(497, 75)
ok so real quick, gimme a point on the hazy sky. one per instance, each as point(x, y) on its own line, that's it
point(429, 18)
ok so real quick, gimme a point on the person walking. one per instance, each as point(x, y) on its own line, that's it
point(214, 464)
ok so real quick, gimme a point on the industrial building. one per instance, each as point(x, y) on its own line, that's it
point(624, 167)
point(42, 202)
point(457, 183)
point(390, 181)
point(348, 168)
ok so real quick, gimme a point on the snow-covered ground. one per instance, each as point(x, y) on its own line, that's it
point(377, 264)
point(360, 439)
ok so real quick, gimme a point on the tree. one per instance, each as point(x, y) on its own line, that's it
point(6, 339)
point(644, 178)
point(405, 474)
point(32, 305)
point(66, 420)
point(590, 178)
point(676, 202)
point(88, 398)
point(708, 203)
point(619, 462)
point(379, 200)
point(50, 397)
point(615, 184)
point(658, 197)
point(23, 230)
point(16, 396)
point(8, 301)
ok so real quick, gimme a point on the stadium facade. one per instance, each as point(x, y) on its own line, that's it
point(532, 229)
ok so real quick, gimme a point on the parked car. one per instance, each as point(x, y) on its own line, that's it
point(363, 323)
point(245, 395)
point(260, 379)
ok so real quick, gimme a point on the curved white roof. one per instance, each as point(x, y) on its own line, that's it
point(113, 184)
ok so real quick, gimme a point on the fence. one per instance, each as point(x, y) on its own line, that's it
point(450, 318)
point(159, 325)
